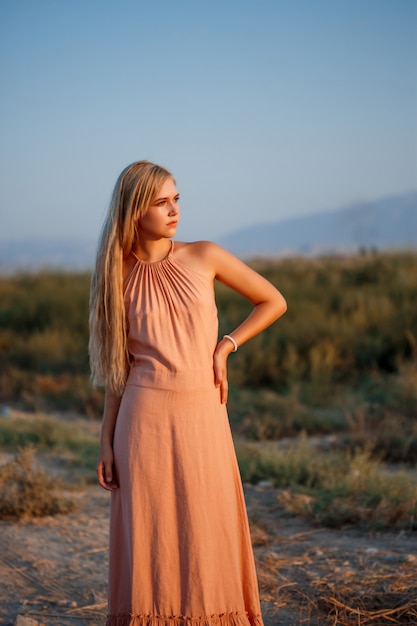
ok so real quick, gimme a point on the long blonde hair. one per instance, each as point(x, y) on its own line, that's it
point(133, 193)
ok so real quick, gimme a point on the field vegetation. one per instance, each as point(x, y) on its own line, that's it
point(323, 404)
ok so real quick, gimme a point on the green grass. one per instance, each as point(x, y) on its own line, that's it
point(329, 486)
point(334, 488)
point(48, 434)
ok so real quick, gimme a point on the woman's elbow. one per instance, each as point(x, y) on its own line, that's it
point(281, 305)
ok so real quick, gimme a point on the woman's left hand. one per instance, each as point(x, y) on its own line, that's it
point(222, 351)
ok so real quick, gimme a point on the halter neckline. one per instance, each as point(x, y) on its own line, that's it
point(165, 258)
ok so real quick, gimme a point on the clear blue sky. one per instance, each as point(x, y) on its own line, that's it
point(262, 110)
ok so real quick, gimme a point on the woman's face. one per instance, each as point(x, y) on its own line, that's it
point(161, 219)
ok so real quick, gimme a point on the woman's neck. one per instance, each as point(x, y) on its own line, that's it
point(151, 250)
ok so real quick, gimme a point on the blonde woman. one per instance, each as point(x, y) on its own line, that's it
point(180, 550)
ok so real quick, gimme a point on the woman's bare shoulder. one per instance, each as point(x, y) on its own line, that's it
point(194, 248)
point(199, 255)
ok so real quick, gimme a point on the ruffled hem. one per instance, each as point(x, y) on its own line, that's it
point(222, 619)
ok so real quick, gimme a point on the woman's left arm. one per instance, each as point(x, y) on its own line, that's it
point(269, 304)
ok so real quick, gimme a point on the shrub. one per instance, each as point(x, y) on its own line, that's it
point(28, 492)
point(263, 414)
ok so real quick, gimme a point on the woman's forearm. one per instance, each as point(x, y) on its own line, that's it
point(111, 409)
point(262, 316)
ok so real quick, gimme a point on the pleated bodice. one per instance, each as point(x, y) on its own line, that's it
point(182, 346)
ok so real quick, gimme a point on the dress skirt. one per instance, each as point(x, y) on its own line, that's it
point(180, 549)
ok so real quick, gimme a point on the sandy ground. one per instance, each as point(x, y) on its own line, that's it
point(54, 570)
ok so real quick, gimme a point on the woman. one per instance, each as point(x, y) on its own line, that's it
point(180, 549)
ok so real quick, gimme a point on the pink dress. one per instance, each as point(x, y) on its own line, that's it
point(180, 549)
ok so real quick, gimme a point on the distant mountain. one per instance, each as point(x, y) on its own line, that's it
point(388, 223)
point(37, 254)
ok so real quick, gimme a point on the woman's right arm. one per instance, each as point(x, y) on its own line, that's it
point(105, 466)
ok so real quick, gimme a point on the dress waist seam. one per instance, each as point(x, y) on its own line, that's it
point(174, 380)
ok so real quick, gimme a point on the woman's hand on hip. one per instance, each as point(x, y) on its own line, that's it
point(222, 351)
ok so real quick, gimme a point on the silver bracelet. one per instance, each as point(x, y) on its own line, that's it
point(232, 340)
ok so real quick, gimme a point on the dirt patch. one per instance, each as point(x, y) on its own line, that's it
point(318, 576)
point(54, 570)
